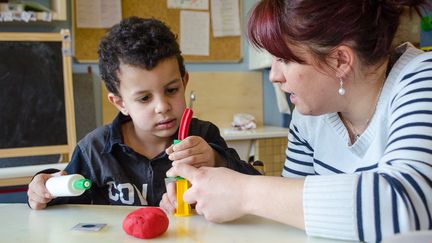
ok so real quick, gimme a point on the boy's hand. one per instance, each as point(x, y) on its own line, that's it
point(38, 195)
point(168, 202)
point(194, 151)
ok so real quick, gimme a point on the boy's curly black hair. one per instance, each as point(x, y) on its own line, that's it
point(138, 42)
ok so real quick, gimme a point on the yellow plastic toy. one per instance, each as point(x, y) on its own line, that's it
point(183, 209)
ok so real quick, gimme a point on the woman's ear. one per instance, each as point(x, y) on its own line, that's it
point(344, 60)
point(117, 101)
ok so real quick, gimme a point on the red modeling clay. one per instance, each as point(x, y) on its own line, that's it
point(146, 223)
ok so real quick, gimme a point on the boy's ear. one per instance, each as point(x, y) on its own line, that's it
point(185, 79)
point(344, 60)
point(117, 101)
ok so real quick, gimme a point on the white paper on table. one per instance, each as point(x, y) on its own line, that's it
point(225, 18)
point(194, 33)
point(98, 13)
point(188, 4)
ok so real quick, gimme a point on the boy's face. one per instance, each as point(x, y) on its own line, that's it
point(154, 99)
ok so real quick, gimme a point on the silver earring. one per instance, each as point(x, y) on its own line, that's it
point(341, 90)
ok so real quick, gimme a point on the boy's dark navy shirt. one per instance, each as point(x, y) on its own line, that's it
point(121, 176)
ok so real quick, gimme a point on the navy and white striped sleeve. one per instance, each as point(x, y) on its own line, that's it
point(298, 155)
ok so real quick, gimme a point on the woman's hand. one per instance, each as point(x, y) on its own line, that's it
point(217, 192)
point(38, 194)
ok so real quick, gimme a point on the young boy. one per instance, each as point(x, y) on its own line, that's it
point(143, 70)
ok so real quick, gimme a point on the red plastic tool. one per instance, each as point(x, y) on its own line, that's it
point(184, 123)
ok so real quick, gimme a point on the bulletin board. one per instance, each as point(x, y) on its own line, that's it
point(36, 96)
point(214, 101)
point(86, 40)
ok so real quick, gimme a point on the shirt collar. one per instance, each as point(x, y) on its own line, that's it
point(115, 136)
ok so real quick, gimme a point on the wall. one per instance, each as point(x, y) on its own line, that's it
point(271, 114)
point(84, 124)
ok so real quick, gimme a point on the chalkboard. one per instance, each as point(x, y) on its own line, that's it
point(33, 114)
point(36, 103)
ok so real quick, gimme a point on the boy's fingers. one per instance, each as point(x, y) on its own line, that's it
point(171, 192)
point(188, 142)
point(183, 170)
point(33, 204)
point(166, 204)
point(184, 144)
point(186, 153)
point(38, 185)
point(37, 202)
point(37, 197)
point(183, 154)
point(37, 205)
point(169, 150)
point(195, 160)
point(60, 173)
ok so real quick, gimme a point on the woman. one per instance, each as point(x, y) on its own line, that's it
point(359, 157)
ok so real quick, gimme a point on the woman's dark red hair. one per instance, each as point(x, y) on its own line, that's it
point(368, 26)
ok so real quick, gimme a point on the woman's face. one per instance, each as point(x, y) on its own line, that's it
point(312, 91)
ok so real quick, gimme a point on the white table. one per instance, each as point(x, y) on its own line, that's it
point(21, 224)
point(244, 141)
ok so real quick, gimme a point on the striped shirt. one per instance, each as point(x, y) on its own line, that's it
point(382, 184)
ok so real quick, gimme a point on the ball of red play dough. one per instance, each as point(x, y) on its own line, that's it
point(146, 223)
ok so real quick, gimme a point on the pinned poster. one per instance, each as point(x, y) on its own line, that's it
point(188, 4)
point(225, 16)
point(98, 13)
point(194, 33)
